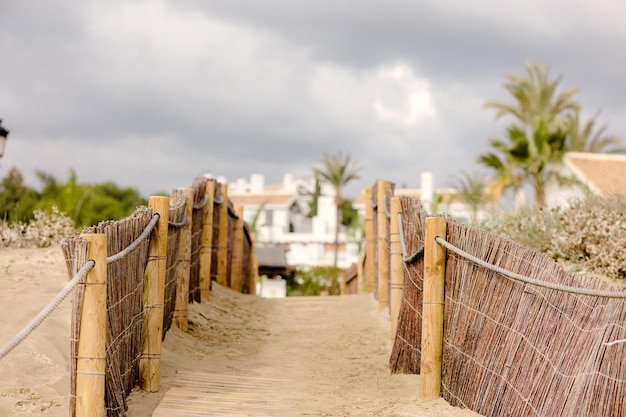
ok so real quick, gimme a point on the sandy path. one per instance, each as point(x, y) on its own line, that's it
point(331, 353)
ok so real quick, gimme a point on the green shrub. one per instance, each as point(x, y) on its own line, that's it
point(315, 280)
point(588, 236)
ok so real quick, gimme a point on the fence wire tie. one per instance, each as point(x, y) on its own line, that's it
point(146, 232)
point(47, 310)
point(182, 223)
point(614, 342)
point(202, 204)
point(530, 280)
point(405, 258)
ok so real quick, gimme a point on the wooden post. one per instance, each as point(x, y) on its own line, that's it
point(397, 265)
point(91, 362)
point(153, 298)
point(432, 308)
point(236, 269)
point(184, 266)
point(222, 239)
point(383, 247)
point(206, 242)
point(254, 265)
point(370, 242)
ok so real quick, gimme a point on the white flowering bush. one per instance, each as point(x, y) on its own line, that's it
point(44, 230)
point(588, 236)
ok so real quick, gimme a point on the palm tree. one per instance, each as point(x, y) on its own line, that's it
point(506, 160)
point(585, 139)
point(537, 136)
point(337, 170)
point(536, 100)
point(472, 191)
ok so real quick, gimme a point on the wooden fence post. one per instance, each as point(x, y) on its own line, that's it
point(397, 265)
point(236, 267)
point(383, 246)
point(222, 240)
point(153, 298)
point(432, 308)
point(184, 266)
point(206, 242)
point(370, 241)
point(254, 264)
point(90, 361)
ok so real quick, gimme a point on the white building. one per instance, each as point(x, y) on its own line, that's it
point(279, 214)
point(440, 200)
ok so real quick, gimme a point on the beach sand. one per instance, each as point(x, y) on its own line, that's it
point(330, 354)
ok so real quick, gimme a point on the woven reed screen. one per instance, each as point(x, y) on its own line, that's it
point(375, 239)
point(389, 190)
point(406, 353)
point(245, 267)
point(216, 231)
point(124, 308)
point(512, 349)
point(176, 215)
point(199, 188)
point(231, 234)
point(352, 279)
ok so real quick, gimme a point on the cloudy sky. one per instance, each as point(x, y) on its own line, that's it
point(150, 94)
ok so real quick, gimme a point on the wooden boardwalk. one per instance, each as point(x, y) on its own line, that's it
point(204, 394)
point(309, 356)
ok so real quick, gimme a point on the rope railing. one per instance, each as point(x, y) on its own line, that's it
point(146, 232)
point(82, 273)
point(47, 310)
point(530, 280)
point(405, 258)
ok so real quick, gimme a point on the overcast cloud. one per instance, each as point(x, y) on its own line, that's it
point(150, 94)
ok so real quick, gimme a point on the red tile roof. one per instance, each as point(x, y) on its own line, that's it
point(604, 174)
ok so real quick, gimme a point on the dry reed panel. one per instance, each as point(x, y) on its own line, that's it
point(124, 307)
point(375, 237)
point(199, 188)
point(513, 349)
point(389, 190)
point(216, 231)
point(75, 251)
point(231, 233)
point(176, 216)
point(245, 268)
point(352, 281)
point(406, 353)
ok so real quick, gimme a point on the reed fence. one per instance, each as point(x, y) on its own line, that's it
point(514, 334)
point(377, 223)
point(351, 279)
point(161, 262)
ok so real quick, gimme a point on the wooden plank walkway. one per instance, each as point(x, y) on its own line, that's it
point(204, 394)
point(293, 357)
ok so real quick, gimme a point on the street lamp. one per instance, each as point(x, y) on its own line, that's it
point(3, 138)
